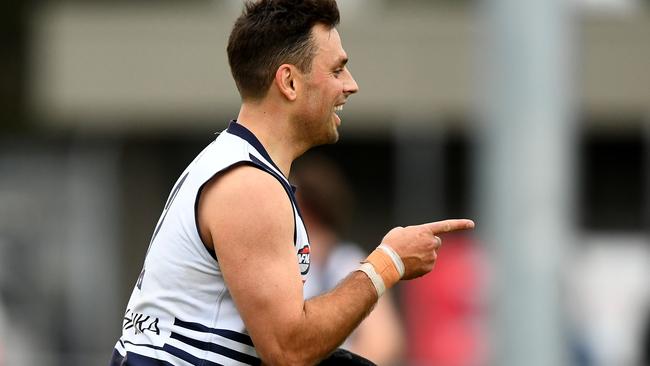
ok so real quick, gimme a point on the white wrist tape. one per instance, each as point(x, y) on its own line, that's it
point(395, 258)
point(369, 270)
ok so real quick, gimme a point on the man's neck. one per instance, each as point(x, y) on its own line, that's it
point(273, 130)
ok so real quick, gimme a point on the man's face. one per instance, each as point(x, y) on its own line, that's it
point(326, 88)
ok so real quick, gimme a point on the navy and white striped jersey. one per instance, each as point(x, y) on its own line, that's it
point(180, 311)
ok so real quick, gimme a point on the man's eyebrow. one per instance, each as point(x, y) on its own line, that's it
point(342, 61)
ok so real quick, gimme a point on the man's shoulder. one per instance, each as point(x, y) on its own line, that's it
point(249, 176)
point(246, 184)
point(217, 157)
point(245, 201)
point(225, 147)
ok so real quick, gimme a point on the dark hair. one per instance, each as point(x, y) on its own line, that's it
point(323, 190)
point(270, 33)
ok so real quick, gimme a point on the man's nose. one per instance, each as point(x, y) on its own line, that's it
point(351, 86)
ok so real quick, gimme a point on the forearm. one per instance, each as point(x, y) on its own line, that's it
point(329, 319)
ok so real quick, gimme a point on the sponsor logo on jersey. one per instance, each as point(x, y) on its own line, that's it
point(140, 323)
point(304, 259)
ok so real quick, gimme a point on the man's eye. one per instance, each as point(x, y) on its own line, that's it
point(338, 72)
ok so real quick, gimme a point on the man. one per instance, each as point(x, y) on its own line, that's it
point(222, 280)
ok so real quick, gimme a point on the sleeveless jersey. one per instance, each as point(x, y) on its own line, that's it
point(180, 311)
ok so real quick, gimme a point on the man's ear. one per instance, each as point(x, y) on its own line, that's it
point(285, 80)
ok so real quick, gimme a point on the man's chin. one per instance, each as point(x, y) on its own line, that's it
point(330, 138)
point(334, 136)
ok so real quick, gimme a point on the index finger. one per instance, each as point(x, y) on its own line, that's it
point(447, 226)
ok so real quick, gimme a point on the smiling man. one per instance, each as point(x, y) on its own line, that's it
point(222, 281)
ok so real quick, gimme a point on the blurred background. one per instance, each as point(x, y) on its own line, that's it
point(531, 117)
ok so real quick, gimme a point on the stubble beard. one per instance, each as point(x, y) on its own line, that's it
point(314, 130)
point(316, 133)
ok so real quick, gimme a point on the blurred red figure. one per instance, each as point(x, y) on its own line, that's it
point(445, 318)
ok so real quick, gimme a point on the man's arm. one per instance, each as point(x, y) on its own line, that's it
point(246, 216)
point(250, 224)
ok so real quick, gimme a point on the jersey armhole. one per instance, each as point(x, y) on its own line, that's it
point(253, 164)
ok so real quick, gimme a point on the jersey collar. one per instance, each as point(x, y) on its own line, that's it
point(244, 133)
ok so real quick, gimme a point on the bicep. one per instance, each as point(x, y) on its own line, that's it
point(250, 220)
